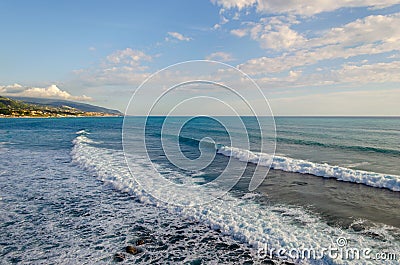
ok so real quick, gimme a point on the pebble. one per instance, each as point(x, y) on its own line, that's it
point(131, 250)
point(119, 257)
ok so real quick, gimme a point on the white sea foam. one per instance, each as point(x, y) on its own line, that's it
point(82, 139)
point(250, 195)
point(244, 220)
point(197, 174)
point(82, 132)
point(3, 146)
point(372, 179)
point(357, 164)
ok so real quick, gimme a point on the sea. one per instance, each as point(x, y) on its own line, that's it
point(79, 190)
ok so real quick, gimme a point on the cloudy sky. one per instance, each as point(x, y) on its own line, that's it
point(311, 57)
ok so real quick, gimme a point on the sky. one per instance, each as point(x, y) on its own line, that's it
point(319, 57)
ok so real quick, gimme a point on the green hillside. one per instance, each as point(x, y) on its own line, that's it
point(17, 108)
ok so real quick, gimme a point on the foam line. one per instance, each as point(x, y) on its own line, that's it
point(373, 179)
point(242, 219)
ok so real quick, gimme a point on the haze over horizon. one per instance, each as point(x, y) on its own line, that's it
point(309, 58)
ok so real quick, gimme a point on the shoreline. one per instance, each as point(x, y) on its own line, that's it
point(46, 117)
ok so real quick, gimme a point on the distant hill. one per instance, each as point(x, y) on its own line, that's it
point(38, 107)
point(58, 103)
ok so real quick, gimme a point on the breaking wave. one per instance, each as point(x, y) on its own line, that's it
point(373, 179)
point(242, 219)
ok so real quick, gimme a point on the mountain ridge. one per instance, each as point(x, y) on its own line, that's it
point(62, 102)
point(46, 107)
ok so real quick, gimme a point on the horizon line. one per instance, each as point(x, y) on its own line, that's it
point(278, 116)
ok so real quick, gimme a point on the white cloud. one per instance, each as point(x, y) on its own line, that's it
point(51, 91)
point(275, 33)
point(375, 28)
point(370, 35)
point(293, 78)
point(236, 16)
point(122, 67)
point(220, 56)
point(394, 56)
point(14, 88)
point(111, 76)
point(128, 57)
point(239, 32)
point(349, 74)
point(303, 8)
point(364, 103)
point(312, 7)
point(272, 33)
point(177, 36)
point(216, 26)
point(369, 73)
point(223, 21)
point(239, 4)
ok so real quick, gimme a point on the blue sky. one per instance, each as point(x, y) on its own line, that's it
point(308, 57)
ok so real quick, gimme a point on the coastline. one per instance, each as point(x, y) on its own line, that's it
point(11, 108)
point(66, 116)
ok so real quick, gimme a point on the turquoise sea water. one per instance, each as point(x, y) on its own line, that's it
point(67, 194)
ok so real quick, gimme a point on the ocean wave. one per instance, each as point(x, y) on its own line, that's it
point(81, 132)
point(245, 221)
point(359, 148)
point(357, 164)
point(187, 140)
point(338, 146)
point(250, 196)
point(82, 139)
point(373, 179)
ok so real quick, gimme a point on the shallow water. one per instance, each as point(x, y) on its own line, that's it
point(53, 212)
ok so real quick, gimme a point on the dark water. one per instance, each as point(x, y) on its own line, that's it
point(53, 212)
point(83, 207)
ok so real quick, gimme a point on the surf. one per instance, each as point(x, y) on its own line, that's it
point(242, 219)
point(372, 179)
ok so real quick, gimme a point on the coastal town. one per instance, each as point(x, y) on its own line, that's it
point(10, 108)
